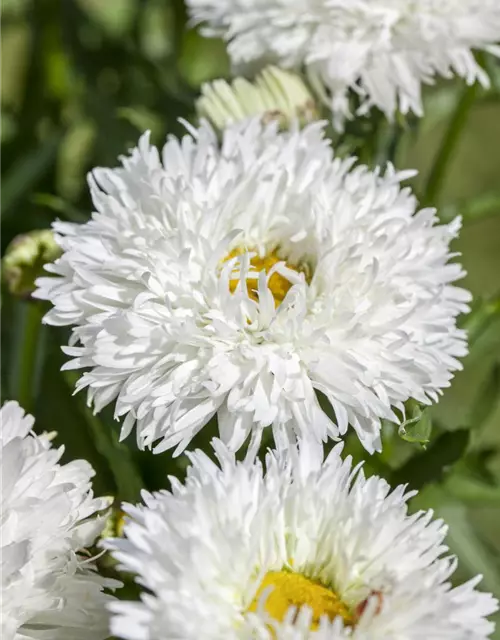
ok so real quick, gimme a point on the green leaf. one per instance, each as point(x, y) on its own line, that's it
point(202, 59)
point(473, 555)
point(418, 426)
point(142, 119)
point(73, 157)
point(479, 320)
point(27, 171)
point(430, 465)
point(60, 206)
point(487, 399)
point(485, 205)
point(472, 491)
point(114, 16)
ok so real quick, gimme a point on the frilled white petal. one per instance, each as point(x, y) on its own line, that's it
point(381, 49)
point(149, 285)
point(50, 588)
point(200, 551)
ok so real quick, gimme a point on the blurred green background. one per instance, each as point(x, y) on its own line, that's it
point(81, 79)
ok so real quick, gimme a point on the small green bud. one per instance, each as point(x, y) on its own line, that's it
point(275, 95)
point(25, 258)
point(114, 524)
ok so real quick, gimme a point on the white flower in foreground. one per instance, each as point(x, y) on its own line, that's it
point(50, 589)
point(274, 95)
point(381, 49)
point(347, 290)
point(305, 550)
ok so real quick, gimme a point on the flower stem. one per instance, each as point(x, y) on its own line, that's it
point(449, 143)
point(26, 365)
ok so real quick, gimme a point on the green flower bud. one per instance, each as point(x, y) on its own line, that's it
point(275, 94)
point(114, 524)
point(25, 258)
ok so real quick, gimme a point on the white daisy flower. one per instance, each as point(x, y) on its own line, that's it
point(240, 280)
point(305, 550)
point(50, 588)
point(274, 95)
point(381, 49)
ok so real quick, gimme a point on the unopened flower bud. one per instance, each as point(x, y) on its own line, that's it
point(25, 258)
point(275, 95)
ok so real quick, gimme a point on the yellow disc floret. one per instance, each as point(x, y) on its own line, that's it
point(278, 284)
point(285, 589)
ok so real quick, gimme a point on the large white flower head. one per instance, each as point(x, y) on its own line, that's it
point(381, 49)
point(50, 588)
point(240, 279)
point(305, 549)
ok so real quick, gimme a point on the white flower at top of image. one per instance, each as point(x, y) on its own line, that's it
point(50, 587)
point(306, 549)
point(383, 50)
point(274, 95)
point(241, 279)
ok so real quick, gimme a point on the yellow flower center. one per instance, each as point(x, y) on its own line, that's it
point(287, 589)
point(277, 284)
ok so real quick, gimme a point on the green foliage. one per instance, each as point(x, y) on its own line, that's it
point(417, 426)
point(81, 80)
point(430, 465)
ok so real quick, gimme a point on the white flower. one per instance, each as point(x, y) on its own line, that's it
point(381, 49)
point(275, 94)
point(238, 553)
point(50, 588)
point(348, 290)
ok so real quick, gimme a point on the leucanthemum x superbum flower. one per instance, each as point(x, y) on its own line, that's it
point(239, 280)
point(274, 95)
point(383, 50)
point(50, 588)
point(305, 550)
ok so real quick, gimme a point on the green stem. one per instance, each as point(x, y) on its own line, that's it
point(26, 365)
point(449, 143)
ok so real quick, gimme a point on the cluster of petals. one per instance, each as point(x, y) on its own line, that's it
point(380, 50)
point(250, 275)
point(369, 319)
point(200, 550)
point(147, 285)
point(50, 589)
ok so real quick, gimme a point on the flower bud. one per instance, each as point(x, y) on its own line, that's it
point(275, 94)
point(25, 258)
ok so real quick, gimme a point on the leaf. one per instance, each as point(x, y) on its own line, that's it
point(479, 320)
point(485, 205)
point(473, 555)
point(114, 16)
point(430, 466)
point(418, 426)
point(73, 157)
point(27, 171)
point(202, 59)
point(60, 206)
point(472, 491)
point(487, 399)
point(142, 119)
